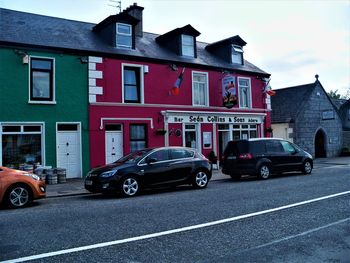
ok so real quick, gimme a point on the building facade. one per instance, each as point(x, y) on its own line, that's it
point(306, 116)
point(110, 88)
point(173, 94)
point(43, 110)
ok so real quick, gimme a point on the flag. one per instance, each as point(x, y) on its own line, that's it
point(176, 88)
point(268, 89)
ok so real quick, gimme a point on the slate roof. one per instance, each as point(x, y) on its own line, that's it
point(25, 29)
point(339, 102)
point(287, 102)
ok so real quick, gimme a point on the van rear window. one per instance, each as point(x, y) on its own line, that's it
point(236, 147)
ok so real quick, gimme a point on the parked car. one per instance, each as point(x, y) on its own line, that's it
point(20, 188)
point(149, 168)
point(264, 156)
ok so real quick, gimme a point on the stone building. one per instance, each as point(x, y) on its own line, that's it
point(343, 107)
point(306, 116)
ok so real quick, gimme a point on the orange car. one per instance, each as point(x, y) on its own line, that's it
point(19, 188)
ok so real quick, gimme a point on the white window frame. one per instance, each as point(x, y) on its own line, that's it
point(141, 82)
point(236, 50)
point(249, 97)
point(123, 34)
point(183, 36)
point(197, 130)
point(42, 124)
point(53, 101)
point(206, 89)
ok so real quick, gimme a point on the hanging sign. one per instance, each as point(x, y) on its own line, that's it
point(229, 91)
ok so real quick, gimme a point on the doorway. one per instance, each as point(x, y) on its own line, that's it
point(320, 149)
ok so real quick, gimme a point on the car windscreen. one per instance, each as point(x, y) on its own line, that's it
point(133, 157)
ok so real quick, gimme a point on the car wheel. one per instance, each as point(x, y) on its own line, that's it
point(235, 177)
point(130, 186)
point(18, 196)
point(201, 179)
point(307, 167)
point(264, 172)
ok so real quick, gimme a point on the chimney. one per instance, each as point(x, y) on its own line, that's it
point(136, 12)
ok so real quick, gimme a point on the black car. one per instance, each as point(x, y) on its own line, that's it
point(264, 156)
point(151, 167)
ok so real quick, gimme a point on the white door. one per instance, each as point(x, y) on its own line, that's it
point(114, 146)
point(68, 153)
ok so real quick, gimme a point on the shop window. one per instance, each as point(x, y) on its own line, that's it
point(138, 137)
point(124, 36)
point(244, 132)
point(21, 144)
point(237, 55)
point(187, 46)
point(132, 83)
point(244, 93)
point(200, 89)
point(42, 80)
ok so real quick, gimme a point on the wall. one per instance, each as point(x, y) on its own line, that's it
point(71, 98)
point(282, 130)
point(310, 121)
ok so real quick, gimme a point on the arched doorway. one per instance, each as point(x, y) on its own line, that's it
point(320, 148)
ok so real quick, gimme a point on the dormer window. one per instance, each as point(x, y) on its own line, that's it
point(124, 36)
point(187, 46)
point(237, 55)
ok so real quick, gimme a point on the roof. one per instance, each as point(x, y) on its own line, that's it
point(286, 103)
point(32, 30)
point(339, 102)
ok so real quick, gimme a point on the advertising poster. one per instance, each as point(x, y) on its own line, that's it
point(229, 91)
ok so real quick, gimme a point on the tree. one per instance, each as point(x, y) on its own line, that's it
point(335, 95)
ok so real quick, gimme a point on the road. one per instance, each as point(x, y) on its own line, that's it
point(291, 218)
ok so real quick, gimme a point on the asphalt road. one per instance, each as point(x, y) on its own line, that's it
point(291, 218)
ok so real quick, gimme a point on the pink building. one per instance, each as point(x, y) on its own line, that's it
point(133, 103)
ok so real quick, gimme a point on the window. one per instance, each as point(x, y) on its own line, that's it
point(181, 153)
point(200, 89)
point(191, 136)
point(161, 155)
point(244, 93)
point(21, 144)
point(288, 148)
point(274, 147)
point(124, 36)
point(237, 55)
point(187, 45)
point(132, 84)
point(138, 137)
point(244, 132)
point(41, 79)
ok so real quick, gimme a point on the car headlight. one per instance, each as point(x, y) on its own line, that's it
point(107, 174)
point(34, 176)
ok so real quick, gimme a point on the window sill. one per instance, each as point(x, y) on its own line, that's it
point(42, 102)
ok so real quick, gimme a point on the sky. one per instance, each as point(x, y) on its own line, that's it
point(293, 40)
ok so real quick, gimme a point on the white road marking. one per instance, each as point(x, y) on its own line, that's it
point(169, 232)
point(300, 234)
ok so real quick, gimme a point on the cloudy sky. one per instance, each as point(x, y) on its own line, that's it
point(291, 39)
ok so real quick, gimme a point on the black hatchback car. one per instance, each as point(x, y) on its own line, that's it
point(264, 156)
point(150, 168)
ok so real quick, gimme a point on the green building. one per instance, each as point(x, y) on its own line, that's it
point(43, 109)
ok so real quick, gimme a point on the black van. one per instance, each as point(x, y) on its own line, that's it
point(264, 156)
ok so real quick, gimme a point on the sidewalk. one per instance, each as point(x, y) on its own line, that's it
point(76, 186)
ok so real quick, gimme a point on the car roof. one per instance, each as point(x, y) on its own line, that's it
point(265, 139)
